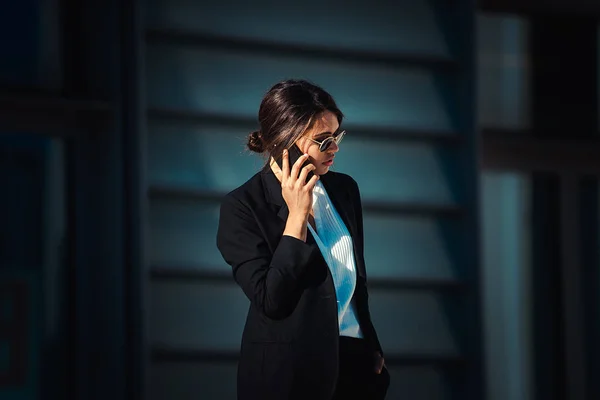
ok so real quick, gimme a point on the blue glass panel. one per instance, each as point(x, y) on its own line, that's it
point(22, 179)
point(184, 316)
point(506, 283)
point(214, 158)
point(402, 26)
point(211, 157)
point(503, 72)
point(183, 234)
point(216, 81)
point(396, 171)
point(412, 322)
point(417, 383)
point(185, 381)
point(406, 247)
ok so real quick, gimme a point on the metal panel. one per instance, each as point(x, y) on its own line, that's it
point(210, 316)
point(214, 158)
point(216, 81)
point(182, 235)
point(402, 26)
point(503, 68)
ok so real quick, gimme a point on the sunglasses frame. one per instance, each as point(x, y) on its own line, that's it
point(337, 139)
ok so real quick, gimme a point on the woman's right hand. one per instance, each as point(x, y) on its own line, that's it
point(297, 194)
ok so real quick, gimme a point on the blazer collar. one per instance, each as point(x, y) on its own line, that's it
point(272, 188)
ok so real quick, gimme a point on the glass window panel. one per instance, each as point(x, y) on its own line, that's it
point(22, 174)
point(406, 247)
point(217, 81)
point(183, 234)
point(506, 283)
point(396, 171)
point(412, 322)
point(30, 45)
point(33, 238)
point(192, 381)
point(183, 315)
point(417, 383)
point(206, 157)
point(405, 25)
point(214, 158)
point(503, 81)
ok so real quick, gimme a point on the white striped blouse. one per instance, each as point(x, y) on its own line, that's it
point(334, 241)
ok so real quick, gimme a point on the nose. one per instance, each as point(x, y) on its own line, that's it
point(333, 147)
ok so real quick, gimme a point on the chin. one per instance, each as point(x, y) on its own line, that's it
point(321, 170)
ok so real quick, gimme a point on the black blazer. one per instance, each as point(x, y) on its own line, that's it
point(290, 341)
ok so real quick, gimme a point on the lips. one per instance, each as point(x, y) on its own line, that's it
point(328, 162)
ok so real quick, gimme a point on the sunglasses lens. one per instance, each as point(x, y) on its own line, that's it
point(338, 138)
point(326, 144)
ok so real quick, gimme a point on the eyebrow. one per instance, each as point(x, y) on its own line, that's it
point(326, 133)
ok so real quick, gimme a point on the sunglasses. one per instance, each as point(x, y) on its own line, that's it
point(326, 144)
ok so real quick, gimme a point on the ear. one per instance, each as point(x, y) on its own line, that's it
point(302, 144)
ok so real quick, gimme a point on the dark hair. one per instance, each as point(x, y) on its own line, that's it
point(288, 109)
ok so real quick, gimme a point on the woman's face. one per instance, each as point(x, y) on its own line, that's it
point(326, 125)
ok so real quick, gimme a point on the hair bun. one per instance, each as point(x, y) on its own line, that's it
point(255, 142)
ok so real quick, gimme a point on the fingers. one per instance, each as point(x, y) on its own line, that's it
point(285, 166)
point(310, 185)
point(379, 364)
point(297, 165)
point(304, 173)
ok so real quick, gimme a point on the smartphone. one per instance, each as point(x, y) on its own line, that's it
point(294, 154)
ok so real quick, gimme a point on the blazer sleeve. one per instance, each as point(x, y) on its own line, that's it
point(362, 284)
point(273, 282)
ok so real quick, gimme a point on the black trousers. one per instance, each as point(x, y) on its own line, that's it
point(357, 378)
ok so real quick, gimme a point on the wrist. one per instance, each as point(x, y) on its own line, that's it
point(298, 217)
point(296, 226)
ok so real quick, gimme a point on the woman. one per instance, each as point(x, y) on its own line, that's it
point(296, 249)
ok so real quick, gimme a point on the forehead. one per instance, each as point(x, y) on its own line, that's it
point(326, 122)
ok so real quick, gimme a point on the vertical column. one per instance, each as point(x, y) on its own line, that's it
point(573, 319)
point(97, 164)
point(463, 104)
point(132, 119)
point(589, 232)
point(548, 309)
